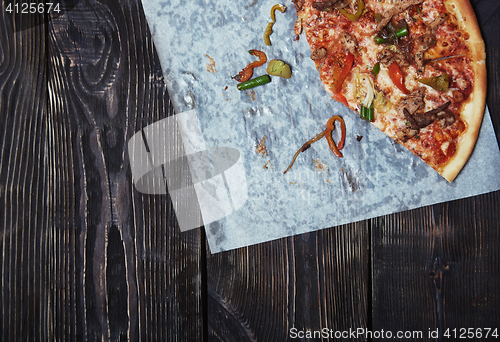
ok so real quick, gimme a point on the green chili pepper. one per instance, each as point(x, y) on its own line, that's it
point(362, 112)
point(370, 114)
point(440, 83)
point(376, 69)
point(393, 34)
point(254, 82)
point(269, 28)
point(366, 113)
point(402, 32)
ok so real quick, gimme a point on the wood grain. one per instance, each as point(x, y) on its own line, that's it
point(84, 256)
point(308, 282)
point(28, 271)
point(139, 276)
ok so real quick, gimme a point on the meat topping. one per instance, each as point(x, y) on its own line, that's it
point(349, 42)
point(388, 56)
point(423, 43)
point(413, 102)
point(318, 53)
point(420, 120)
point(396, 9)
point(324, 5)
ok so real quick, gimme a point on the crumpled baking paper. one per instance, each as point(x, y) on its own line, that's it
point(202, 43)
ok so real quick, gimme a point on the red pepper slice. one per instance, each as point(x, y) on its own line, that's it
point(340, 98)
point(245, 74)
point(397, 77)
point(328, 135)
point(341, 68)
point(340, 71)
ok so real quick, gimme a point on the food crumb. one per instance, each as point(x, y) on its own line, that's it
point(261, 148)
point(251, 94)
point(211, 66)
point(359, 137)
point(319, 166)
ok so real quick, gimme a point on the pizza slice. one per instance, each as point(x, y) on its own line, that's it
point(414, 68)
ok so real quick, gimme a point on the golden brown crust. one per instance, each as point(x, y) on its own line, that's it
point(473, 111)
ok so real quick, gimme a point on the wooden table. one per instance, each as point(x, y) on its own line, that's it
point(83, 256)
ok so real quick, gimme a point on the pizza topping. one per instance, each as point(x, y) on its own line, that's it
point(397, 77)
point(423, 43)
point(439, 83)
point(420, 120)
point(246, 73)
point(329, 4)
point(318, 53)
point(269, 27)
point(396, 9)
point(413, 102)
point(458, 96)
point(254, 82)
point(349, 42)
point(341, 68)
point(279, 68)
point(305, 147)
point(438, 21)
point(390, 34)
point(367, 113)
point(328, 134)
point(330, 126)
point(388, 56)
point(366, 89)
point(355, 16)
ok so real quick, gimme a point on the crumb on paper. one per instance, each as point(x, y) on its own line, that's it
point(211, 66)
point(261, 148)
point(359, 137)
point(250, 94)
point(328, 181)
point(268, 165)
point(319, 166)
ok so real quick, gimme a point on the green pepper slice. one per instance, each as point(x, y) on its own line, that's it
point(439, 83)
point(355, 16)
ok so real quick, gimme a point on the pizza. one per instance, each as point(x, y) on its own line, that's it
point(415, 69)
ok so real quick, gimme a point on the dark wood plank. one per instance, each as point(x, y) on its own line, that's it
point(137, 277)
point(438, 266)
point(83, 255)
point(28, 272)
point(309, 282)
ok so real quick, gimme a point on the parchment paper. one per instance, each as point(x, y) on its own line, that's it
point(202, 43)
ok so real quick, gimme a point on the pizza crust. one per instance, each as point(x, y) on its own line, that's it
point(473, 111)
